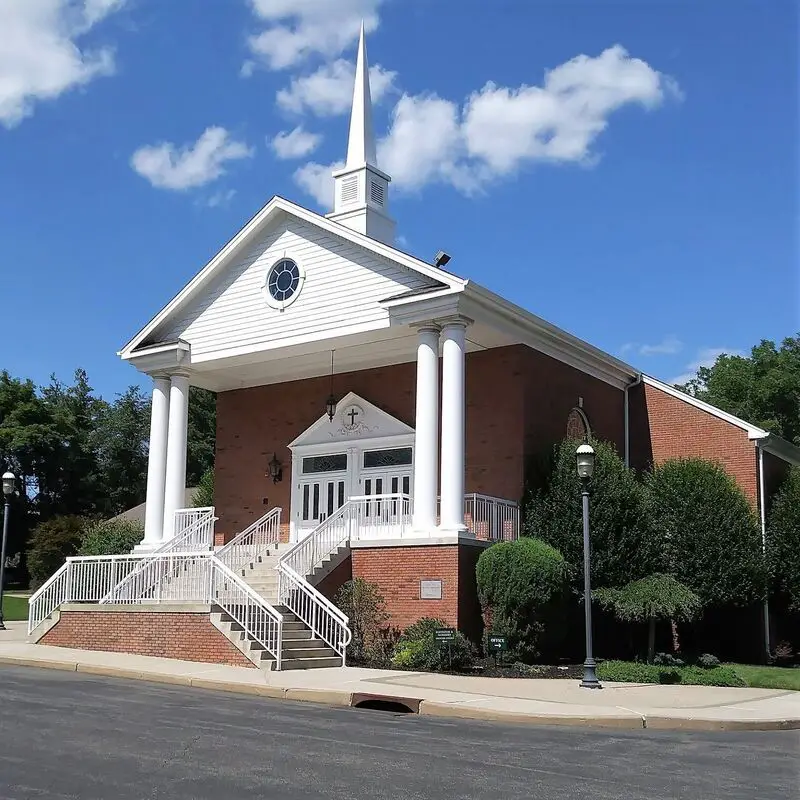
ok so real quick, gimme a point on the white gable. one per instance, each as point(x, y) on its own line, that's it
point(341, 293)
point(356, 420)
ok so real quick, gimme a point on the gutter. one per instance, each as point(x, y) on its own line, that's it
point(637, 382)
point(762, 509)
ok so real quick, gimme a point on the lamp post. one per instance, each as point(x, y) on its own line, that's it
point(585, 458)
point(8, 489)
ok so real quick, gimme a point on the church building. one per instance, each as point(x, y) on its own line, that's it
point(373, 394)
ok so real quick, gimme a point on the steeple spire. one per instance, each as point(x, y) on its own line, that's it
point(361, 190)
point(361, 143)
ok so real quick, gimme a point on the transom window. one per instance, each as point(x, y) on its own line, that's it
point(333, 463)
point(283, 281)
point(395, 457)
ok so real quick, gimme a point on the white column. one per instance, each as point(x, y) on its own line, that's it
point(156, 464)
point(426, 440)
point(453, 427)
point(175, 484)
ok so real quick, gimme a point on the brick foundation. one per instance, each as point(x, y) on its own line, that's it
point(398, 571)
point(188, 636)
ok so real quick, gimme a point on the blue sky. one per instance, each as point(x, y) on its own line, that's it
point(630, 173)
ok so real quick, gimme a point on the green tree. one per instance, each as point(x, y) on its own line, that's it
point(783, 540)
point(624, 545)
point(762, 388)
point(122, 441)
point(519, 585)
point(110, 537)
point(204, 496)
point(365, 608)
point(202, 434)
point(709, 533)
point(657, 597)
point(51, 543)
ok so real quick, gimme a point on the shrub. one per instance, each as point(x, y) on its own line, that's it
point(418, 650)
point(668, 660)
point(51, 543)
point(783, 540)
point(711, 538)
point(519, 584)
point(634, 672)
point(624, 546)
point(204, 494)
point(366, 610)
point(657, 597)
point(111, 537)
point(708, 661)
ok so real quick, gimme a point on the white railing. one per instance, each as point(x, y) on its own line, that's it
point(252, 542)
point(167, 578)
point(258, 618)
point(326, 621)
point(380, 516)
point(491, 518)
point(194, 531)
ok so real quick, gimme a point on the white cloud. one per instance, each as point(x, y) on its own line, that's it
point(706, 357)
point(669, 345)
point(169, 167)
point(329, 91)
point(221, 199)
point(295, 143)
point(41, 56)
point(315, 179)
point(499, 130)
point(296, 31)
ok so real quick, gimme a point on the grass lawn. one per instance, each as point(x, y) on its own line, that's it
point(769, 677)
point(15, 608)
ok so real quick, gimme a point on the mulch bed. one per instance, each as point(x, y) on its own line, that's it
point(486, 668)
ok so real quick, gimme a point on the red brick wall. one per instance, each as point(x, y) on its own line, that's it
point(518, 401)
point(335, 579)
point(397, 571)
point(185, 636)
point(552, 389)
point(678, 429)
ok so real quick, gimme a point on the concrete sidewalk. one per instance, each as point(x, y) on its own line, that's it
point(544, 702)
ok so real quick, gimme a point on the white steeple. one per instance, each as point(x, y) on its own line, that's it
point(361, 190)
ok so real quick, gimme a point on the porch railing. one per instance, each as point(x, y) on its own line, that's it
point(491, 518)
point(198, 577)
point(252, 542)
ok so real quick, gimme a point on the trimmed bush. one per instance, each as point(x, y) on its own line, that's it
point(111, 537)
point(708, 661)
point(634, 672)
point(50, 545)
point(519, 584)
point(783, 540)
point(657, 597)
point(624, 545)
point(366, 610)
point(418, 650)
point(711, 539)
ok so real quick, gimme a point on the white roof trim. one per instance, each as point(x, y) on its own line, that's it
point(252, 227)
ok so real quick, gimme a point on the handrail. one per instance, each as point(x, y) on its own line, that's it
point(267, 629)
point(322, 617)
point(198, 577)
point(193, 538)
point(252, 542)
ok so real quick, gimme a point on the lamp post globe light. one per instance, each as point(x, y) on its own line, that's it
point(9, 483)
point(584, 456)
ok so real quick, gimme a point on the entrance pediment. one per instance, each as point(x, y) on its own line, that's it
point(356, 419)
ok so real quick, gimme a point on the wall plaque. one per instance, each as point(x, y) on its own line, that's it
point(430, 590)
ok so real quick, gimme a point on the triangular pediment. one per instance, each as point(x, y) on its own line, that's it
point(345, 277)
point(355, 419)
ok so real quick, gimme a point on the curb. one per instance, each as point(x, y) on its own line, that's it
point(428, 708)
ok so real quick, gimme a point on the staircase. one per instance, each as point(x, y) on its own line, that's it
point(300, 649)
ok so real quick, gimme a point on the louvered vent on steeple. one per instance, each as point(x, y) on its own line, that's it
point(361, 190)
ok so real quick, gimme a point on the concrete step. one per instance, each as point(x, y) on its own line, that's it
point(310, 663)
point(303, 644)
point(308, 652)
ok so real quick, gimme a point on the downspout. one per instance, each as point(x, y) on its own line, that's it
point(762, 503)
point(636, 382)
